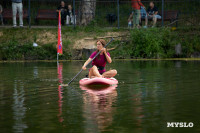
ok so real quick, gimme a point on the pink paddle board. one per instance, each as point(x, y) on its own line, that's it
point(98, 81)
point(103, 90)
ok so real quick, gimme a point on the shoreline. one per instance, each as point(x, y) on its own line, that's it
point(167, 59)
point(144, 44)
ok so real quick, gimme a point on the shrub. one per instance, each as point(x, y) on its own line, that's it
point(149, 43)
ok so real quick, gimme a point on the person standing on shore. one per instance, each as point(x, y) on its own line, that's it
point(1, 16)
point(136, 5)
point(63, 10)
point(17, 6)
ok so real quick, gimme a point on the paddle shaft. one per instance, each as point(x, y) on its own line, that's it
point(90, 61)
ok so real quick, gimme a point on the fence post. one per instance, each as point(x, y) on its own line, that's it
point(162, 13)
point(118, 14)
point(29, 13)
point(74, 13)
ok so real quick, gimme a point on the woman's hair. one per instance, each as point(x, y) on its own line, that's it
point(103, 42)
point(152, 2)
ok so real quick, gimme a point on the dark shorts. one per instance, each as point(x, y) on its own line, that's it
point(100, 71)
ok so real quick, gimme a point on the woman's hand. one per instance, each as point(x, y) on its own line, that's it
point(84, 68)
point(103, 50)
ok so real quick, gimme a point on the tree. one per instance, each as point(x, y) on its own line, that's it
point(87, 13)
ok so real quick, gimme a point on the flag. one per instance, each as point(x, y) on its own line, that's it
point(59, 46)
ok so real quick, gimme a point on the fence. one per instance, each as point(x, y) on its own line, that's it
point(111, 13)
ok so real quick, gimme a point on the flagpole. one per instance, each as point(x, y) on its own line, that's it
point(57, 57)
point(58, 36)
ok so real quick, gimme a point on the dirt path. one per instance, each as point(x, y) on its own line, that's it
point(90, 43)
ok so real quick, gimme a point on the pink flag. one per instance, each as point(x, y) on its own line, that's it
point(59, 46)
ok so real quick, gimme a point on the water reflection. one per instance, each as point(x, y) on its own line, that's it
point(19, 109)
point(60, 103)
point(59, 69)
point(35, 72)
point(60, 91)
point(178, 64)
point(98, 110)
point(138, 110)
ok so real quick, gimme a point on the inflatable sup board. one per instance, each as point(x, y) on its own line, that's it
point(98, 81)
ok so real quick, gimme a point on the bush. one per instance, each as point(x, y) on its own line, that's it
point(190, 45)
point(149, 43)
point(14, 51)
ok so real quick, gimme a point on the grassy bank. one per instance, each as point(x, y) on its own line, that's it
point(17, 44)
point(159, 43)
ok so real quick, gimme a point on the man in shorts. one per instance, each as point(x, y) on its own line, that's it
point(152, 13)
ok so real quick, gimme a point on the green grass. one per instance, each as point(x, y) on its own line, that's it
point(16, 44)
point(152, 43)
point(157, 43)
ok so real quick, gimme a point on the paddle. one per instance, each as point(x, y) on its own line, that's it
point(90, 61)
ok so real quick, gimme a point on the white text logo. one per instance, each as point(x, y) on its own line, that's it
point(179, 124)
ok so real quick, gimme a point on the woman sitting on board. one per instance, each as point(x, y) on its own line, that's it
point(99, 63)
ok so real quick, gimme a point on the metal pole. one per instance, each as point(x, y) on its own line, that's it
point(118, 13)
point(163, 13)
point(57, 57)
point(74, 13)
point(29, 13)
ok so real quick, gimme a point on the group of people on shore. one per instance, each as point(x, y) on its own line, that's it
point(67, 13)
point(139, 12)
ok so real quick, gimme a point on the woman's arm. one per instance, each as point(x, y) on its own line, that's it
point(140, 3)
point(108, 58)
point(84, 66)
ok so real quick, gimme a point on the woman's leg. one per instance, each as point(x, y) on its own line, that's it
point(67, 20)
point(134, 19)
point(94, 72)
point(137, 18)
point(110, 73)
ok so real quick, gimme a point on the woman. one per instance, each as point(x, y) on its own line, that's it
point(99, 63)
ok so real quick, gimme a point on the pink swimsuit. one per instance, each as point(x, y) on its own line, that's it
point(99, 61)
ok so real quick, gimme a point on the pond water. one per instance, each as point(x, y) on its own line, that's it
point(149, 94)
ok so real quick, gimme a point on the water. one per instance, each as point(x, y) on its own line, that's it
point(149, 94)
